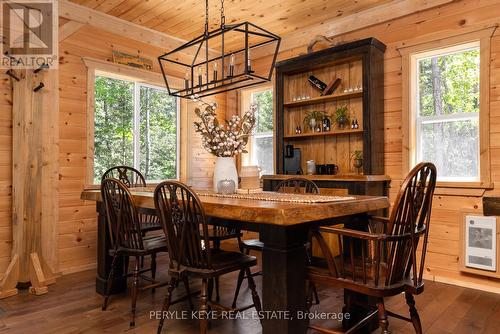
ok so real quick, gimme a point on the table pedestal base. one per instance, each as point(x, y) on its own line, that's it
point(283, 287)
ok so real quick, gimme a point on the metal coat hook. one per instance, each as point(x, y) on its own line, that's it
point(11, 74)
point(44, 66)
point(8, 55)
point(40, 86)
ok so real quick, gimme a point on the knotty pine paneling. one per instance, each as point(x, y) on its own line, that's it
point(452, 19)
point(77, 223)
point(5, 171)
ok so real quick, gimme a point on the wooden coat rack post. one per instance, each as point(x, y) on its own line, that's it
point(35, 176)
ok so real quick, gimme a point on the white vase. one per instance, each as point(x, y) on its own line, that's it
point(225, 169)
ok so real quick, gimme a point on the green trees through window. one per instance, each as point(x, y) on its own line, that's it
point(134, 125)
point(262, 141)
point(448, 112)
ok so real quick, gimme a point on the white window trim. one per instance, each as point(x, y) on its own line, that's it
point(141, 78)
point(246, 94)
point(483, 37)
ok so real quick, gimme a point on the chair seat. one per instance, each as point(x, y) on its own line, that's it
point(253, 244)
point(149, 223)
point(223, 262)
point(153, 244)
point(318, 272)
point(222, 234)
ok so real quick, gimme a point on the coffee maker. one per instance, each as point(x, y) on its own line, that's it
point(292, 164)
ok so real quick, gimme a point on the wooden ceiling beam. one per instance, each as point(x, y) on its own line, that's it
point(68, 29)
point(366, 18)
point(85, 15)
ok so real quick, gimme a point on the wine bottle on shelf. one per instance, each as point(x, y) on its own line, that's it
point(317, 83)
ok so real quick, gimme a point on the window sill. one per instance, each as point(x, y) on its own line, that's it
point(472, 189)
point(466, 185)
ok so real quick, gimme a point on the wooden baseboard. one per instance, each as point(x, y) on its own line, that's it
point(464, 280)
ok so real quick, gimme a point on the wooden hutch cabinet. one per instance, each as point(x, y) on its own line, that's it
point(360, 67)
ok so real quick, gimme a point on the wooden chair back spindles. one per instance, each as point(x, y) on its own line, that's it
point(383, 264)
point(191, 255)
point(129, 176)
point(297, 185)
point(184, 223)
point(410, 221)
point(121, 213)
point(127, 238)
point(388, 259)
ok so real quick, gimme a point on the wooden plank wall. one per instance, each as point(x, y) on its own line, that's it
point(462, 16)
point(77, 225)
point(77, 219)
point(5, 170)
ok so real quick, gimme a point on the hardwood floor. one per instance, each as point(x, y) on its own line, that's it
point(72, 306)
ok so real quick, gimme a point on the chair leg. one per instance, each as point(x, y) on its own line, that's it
point(309, 294)
point(217, 292)
point(109, 282)
point(315, 292)
point(188, 291)
point(166, 302)
point(241, 275)
point(153, 269)
point(204, 307)
point(382, 317)
point(255, 295)
point(135, 287)
point(126, 260)
point(210, 288)
point(415, 319)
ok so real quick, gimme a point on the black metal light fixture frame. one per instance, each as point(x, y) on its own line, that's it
point(228, 79)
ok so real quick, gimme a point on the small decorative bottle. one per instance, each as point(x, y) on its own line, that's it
point(300, 130)
point(326, 124)
point(356, 125)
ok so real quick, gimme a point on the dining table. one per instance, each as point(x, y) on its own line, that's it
point(283, 228)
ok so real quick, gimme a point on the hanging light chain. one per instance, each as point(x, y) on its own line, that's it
point(222, 15)
point(206, 17)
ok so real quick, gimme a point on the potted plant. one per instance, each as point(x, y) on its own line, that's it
point(357, 156)
point(342, 116)
point(224, 140)
point(313, 117)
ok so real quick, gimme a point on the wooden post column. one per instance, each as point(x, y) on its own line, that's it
point(35, 133)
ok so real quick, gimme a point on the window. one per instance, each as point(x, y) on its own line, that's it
point(135, 125)
point(261, 144)
point(447, 111)
point(445, 107)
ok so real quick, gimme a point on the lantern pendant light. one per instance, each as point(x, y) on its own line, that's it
point(220, 60)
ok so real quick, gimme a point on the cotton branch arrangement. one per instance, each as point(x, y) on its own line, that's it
point(228, 139)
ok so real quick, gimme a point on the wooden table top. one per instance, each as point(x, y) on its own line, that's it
point(266, 212)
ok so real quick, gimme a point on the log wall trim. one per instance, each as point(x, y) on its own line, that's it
point(483, 37)
point(94, 66)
